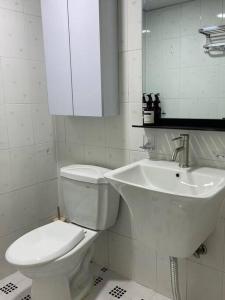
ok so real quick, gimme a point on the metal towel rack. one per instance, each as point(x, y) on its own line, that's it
point(215, 38)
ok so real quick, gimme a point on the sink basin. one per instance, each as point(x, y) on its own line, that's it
point(173, 210)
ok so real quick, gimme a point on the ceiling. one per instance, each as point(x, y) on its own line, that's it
point(154, 4)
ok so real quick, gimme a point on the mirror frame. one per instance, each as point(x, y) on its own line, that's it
point(188, 124)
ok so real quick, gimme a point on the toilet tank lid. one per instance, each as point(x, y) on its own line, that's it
point(85, 173)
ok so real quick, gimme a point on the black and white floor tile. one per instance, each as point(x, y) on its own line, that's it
point(107, 285)
point(111, 286)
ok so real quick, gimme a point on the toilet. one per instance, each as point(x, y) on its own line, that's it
point(57, 256)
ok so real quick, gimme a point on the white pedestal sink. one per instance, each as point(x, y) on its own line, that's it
point(173, 209)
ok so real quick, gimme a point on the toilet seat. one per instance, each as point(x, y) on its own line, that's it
point(44, 244)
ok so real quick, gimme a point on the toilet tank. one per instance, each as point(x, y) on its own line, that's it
point(90, 201)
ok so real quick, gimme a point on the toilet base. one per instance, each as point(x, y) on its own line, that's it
point(74, 287)
point(54, 288)
point(58, 289)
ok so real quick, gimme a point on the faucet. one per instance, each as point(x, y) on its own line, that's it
point(182, 150)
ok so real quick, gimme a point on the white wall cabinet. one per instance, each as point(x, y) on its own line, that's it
point(81, 55)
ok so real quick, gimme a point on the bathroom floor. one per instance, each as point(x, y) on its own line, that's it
point(110, 286)
point(107, 286)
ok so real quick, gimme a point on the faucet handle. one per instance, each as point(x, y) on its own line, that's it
point(177, 138)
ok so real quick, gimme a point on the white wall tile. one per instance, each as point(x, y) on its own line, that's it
point(1, 84)
point(189, 82)
point(74, 130)
point(32, 7)
point(37, 82)
point(190, 17)
point(135, 113)
point(155, 24)
point(171, 87)
point(47, 194)
point(117, 129)
point(134, 10)
point(15, 80)
point(171, 52)
point(24, 204)
point(59, 128)
point(94, 131)
point(23, 168)
point(75, 153)
point(116, 158)
point(95, 155)
point(135, 76)
point(45, 162)
point(12, 34)
point(171, 17)
point(5, 179)
point(156, 51)
point(3, 128)
point(42, 123)
point(138, 155)
point(123, 76)
point(138, 263)
point(70, 153)
point(12, 4)
point(123, 24)
point(209, 12)
point(23, 81)
point(101, 249)
point(34, 39)
point(203, 283)
point(20, 127)
point(192, 53)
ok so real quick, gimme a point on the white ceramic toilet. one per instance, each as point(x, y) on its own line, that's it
point(57, 256)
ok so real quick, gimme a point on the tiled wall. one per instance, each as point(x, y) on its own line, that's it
point(28, 186)
point(177, 66)
point(112, 142)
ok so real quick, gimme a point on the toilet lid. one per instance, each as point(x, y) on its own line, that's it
point(44, 244)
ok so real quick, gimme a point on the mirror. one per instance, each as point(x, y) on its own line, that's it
point(189, 78)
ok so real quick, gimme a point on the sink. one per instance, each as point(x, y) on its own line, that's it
point(173, 209)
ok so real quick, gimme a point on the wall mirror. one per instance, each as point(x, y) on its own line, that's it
point(184, 61)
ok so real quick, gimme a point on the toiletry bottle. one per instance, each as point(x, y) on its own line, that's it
point(144, 102)
point(157, 108)
point(144, 105)
point(149, 112)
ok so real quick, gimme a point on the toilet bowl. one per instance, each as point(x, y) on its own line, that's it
point(57, 256)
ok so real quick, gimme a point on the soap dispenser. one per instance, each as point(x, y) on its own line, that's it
point(157, 108)
point(148, 117)
point(144, 102)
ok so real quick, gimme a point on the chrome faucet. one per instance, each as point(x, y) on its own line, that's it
point(182, 150)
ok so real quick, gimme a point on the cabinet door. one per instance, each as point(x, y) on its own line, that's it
point(57, 56)
point(85, 57)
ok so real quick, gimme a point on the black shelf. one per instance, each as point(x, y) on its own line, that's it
point(187, 124)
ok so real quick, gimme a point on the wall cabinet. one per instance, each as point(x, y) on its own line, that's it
point(81, 56)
